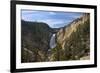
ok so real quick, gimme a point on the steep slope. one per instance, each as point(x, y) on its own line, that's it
point(66, 32)
point(73, 40)
point(35, 37)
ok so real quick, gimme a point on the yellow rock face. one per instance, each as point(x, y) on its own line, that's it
point(64, 34)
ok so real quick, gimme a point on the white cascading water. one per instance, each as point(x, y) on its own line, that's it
point(53, 41)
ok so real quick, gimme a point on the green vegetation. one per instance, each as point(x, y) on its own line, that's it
point(36, 37)
point(76, 46)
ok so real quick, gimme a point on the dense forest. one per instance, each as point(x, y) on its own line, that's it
point(72, 41)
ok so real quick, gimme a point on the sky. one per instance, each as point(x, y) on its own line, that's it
point(53, 19)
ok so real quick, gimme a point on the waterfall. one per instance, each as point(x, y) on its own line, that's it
point(53, 41)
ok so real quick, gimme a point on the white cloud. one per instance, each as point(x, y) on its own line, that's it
point(52, 13)
point(54, 22)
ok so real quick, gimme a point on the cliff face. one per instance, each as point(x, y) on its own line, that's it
point(35, 37)
point(75, 38)
point(65, 33)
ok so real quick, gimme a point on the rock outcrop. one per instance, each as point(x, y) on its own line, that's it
point(75, 38)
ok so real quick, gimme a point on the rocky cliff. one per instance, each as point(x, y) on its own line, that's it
point(75, 37)
point(35, 37)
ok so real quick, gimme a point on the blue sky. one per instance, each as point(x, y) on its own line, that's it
point(53, 19)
